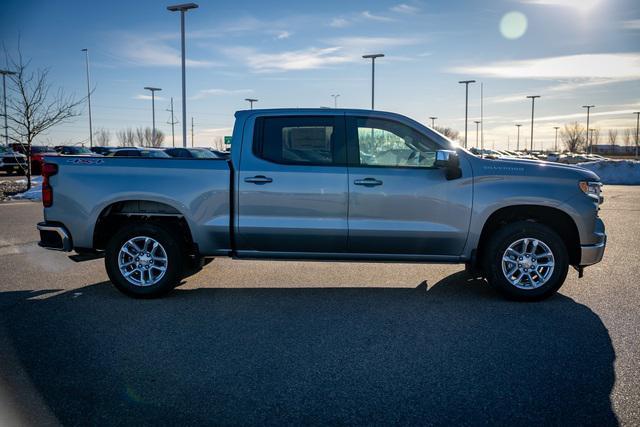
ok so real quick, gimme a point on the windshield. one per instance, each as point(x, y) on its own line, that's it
point(41, 149)
point(153, 153)
point(76, 150)
point(202, 154)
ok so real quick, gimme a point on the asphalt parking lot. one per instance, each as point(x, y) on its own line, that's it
point(251, 342)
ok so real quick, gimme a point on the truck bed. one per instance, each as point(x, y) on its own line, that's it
point(198, 189)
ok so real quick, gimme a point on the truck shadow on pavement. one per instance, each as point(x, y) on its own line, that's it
point(454, 352)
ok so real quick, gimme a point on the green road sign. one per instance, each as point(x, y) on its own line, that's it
point(227, 140)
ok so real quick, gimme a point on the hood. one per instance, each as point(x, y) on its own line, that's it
point(527, 167)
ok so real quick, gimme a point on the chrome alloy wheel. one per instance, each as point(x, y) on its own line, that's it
point(142, 261)
point(528, 263)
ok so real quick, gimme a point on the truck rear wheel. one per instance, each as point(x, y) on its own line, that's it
point(526, 261)
point(144, 260)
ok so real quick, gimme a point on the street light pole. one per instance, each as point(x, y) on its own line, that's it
point(251, 101)
point(556, 145)
point(477, 122)
point(637, 113)
point(153, 111)
point(335, 100)
point(588, 107)
point(86, 56)
point(533, 105)
point(433, 122)
point(518, 140)
point(172, 123)
point(466, 107)
point(182, 8)
point(5, 73)
point(373, 74)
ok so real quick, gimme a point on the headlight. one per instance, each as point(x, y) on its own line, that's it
point(592, 189)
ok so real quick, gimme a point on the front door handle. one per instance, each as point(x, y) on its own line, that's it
point(368, 182)
point(259, 179)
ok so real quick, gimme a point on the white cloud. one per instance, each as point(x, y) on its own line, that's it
point(580, 5)
point(281, 35)
point(148, 97)
point(204, 93)
point(303, 59)
point(340, 50)
point(367, 43)
point(143, 50)
point(404, 8)
point(339, 23)
point(368, 15)
point(580, 116)
point(633, 24)
point(614, 66)
point(554, 91)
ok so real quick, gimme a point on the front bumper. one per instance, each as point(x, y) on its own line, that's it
point(592, 254)
point(54, 236)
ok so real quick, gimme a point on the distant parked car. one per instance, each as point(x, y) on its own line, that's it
point(71, 150)
point(139, 152)
point(12, 162)
point(103, 151)
point(37, 155)
point(220, 154)
point(553, 157)
point(190, 153)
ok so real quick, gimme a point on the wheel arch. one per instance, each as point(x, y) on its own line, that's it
point(118, 213)
point(558, 220)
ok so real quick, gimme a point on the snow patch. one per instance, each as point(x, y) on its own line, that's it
point(35, 193)
point(626, 172)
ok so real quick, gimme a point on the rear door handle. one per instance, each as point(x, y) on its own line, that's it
point(368, 182)
point(259, 179)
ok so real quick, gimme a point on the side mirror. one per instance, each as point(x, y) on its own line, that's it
point(449, 160)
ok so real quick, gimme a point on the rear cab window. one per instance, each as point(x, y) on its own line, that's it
point(300, 140)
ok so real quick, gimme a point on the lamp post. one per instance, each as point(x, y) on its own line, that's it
point(556, 145)
point(86, 57)
point(251, 101)
point(533, 105)
point(182, 8)
point(433, 122)
point(373, 74)
point(588, 107)
point(335, 100)
point(153, 111)
point(637, 113)
point(477, 122)
point(466, 107)
point(5, 73)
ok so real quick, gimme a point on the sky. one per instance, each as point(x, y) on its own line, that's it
point(299, 53)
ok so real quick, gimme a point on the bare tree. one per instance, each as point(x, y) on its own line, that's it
point(34, 107)
point(595, 138)
point(102, 137)
point(148, 138)
point(613, 139)
point(626, 137)
point(126, 137)
point(139, 137)
point(573, 137)
point(450, 133)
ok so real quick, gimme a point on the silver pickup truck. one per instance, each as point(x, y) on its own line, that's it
point(326, 184)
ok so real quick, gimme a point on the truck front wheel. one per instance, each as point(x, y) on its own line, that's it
point(526, 261)
point(144, 260)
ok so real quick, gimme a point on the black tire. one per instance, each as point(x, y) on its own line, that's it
point(510, 233)
point(174, 253)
